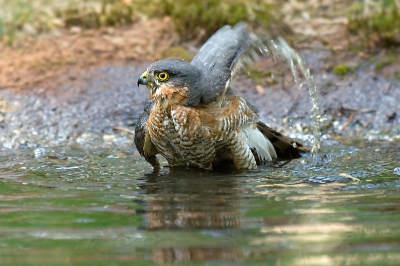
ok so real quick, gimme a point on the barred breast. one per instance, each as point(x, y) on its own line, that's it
point(179, 139)
point(188, 136)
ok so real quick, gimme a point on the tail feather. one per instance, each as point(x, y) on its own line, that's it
point(259, 144)
point(285, 147)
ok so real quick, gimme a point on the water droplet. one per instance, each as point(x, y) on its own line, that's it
point(396, 170)
point(39, 153)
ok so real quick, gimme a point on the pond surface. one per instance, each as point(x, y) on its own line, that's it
point(71, 205)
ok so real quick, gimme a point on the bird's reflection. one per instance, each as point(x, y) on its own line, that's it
point(174, 255)
point(191, 199)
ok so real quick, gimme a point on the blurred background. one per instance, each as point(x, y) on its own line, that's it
point(40, 39)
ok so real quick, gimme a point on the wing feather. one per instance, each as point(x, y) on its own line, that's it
point(219, 57)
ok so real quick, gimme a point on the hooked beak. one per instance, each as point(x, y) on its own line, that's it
point(143, 79)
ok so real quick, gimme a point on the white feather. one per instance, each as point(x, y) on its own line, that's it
point(262, 145)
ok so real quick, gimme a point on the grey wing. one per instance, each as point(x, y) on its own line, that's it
point(140, 129)
point(219, 58)
point(142, 140)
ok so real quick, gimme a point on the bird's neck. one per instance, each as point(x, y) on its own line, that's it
point(168, 95)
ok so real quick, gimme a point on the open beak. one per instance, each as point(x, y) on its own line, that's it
point(143, 79)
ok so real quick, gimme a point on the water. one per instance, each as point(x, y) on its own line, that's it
point(296, 62)
point(278, 47)
point(80, 206)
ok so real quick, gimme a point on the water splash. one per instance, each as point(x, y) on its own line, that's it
point(279, 48)
point(296, 63)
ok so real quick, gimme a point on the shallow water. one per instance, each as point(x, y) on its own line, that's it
point(107, 207)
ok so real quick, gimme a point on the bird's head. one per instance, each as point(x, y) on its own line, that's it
point(173, 81)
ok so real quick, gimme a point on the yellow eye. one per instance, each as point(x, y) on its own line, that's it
point(162, 76)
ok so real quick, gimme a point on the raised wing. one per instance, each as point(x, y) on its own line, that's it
point(220, 57)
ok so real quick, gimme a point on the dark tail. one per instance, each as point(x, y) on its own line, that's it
point(285, 147)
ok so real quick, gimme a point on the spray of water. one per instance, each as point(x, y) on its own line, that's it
point(296, 63)
point(279, 48)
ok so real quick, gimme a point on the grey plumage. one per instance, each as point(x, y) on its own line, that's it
point(218, 57)
point(141, 131)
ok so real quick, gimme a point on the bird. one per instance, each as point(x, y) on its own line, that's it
point(193, 118)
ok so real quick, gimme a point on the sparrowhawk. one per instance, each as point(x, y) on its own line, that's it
point(193, 117)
